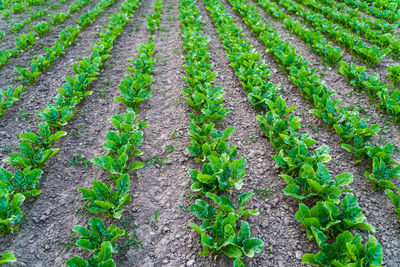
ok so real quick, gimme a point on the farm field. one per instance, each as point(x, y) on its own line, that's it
point(200, 133)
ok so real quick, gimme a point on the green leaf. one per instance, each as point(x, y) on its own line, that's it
point(344, 179)
point(232, 251)
point(238, 263)
point(7, 258)
point(244, 232)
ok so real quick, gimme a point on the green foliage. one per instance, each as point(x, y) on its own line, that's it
point(30, 157)
point(316, 183)
point(332, 219)
point(395, 198)
point(24, 41)
point(381, 170)
point(25, 182)
point(10, 213)
point(44, 137)
point(9, 97)
point(136, 88)
point(7, 258)
point(394, 74)
point(103, 259)
point(348, 250)
point(43, 28)
point(106, 202)
point(126, 122)
point(218, 232)
point(59, 17)
point(219, 173)
point(91, 240)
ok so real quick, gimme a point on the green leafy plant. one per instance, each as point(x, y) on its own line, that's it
point(9, 97)
point(91, 240)
point(394, 74)
point(329, 217)
point(347, 250)
point(44, 137)
point(10, 213)
point(43, 28)
point(25, 182)
point(104, 258)
point(30, 157)
point(218, 232)
point(154, 220)
point(106, 202)
point(395, 198)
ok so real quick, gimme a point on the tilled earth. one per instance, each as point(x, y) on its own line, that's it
point(166, 188)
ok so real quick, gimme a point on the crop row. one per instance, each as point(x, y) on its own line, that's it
point(376, 24)
point(391, 16)
point(221, 170)
point(368, 54)
point(37, 148)
point(303, 168)
point(18, 7)
point(330, 11)
point(122, 146)
point(25, 41)
point(18, 26)
point(355, 75)
point(39, 64)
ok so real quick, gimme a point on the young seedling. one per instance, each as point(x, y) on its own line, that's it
point(154, 220)
point(23, 114)
point(169, 149)
point(157, 162)
point(132, 240)
point(175, 134)
point(182, 207)
point(253, 138)
point(263, 193)
point(6, 149)
point(78, 130)
point(103, 93)
point(71, 244)
point(78, 159)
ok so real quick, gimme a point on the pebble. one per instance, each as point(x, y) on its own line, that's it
point(264, 225)
point(280, 264)
point(190, 262)
point(286, 221)
point(299, 254)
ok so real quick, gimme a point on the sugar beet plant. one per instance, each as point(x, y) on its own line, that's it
point(107, 199)
point(37, 148)
point(325, 217)
point(223, 229)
